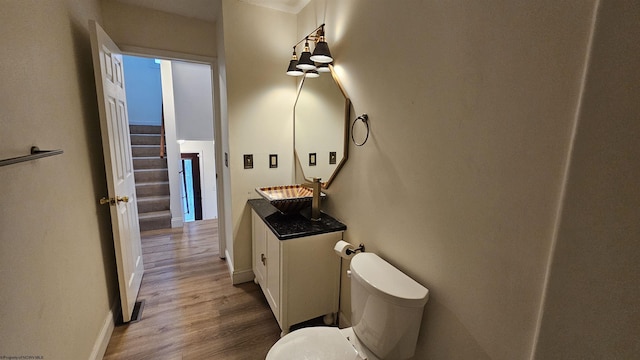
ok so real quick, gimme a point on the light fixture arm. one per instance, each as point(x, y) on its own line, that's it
point(313, 36)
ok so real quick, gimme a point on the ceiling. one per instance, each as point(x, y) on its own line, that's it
point(208, 9)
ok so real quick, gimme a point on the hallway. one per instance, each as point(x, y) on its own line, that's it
point(191, 310)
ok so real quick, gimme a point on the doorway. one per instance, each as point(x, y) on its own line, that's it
point(176, 95)
point(191, 190)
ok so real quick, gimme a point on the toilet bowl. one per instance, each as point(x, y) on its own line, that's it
point(387, 308)
point(314, 343)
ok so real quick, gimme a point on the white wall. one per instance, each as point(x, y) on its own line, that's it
point(207, 164)
point(57, 263)
point(174, 163)
point(471, 107)
point(192, 93)
point(259, 110)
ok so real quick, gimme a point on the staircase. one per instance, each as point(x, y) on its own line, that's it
point(152, 178)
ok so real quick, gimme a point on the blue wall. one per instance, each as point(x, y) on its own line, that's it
point(144, 90)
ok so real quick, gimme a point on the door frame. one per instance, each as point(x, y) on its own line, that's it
point(224, 196)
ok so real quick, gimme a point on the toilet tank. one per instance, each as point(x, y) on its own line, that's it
point(386, 307)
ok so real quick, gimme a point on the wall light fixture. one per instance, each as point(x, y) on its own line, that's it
point(310, 64)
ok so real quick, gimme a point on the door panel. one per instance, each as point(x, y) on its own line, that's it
point(116, 146)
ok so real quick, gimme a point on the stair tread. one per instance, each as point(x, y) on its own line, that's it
point(153, 198)
point(149, 170)
point(150, 183)
point(155, 214)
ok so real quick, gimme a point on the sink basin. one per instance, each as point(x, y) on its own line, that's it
point(288, 198)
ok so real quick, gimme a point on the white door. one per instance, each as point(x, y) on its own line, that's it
point(116, 145)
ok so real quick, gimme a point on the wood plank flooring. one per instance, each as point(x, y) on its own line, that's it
point(192, 311)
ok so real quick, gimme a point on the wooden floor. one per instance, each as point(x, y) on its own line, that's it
point(191, 309)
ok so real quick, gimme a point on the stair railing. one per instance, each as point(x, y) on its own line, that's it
point(162, 135)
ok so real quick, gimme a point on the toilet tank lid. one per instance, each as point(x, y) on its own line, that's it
point(389, 282)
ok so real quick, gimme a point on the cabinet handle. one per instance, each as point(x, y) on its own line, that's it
point(263, 259)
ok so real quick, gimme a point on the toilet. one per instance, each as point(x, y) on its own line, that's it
point(386, 310)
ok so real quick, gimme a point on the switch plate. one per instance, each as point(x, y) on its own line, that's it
point(333, 157)
point(273, 161)
point(248, 161)
point(312, 159)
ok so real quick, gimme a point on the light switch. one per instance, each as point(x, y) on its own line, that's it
point(312, 159)
point(332, 157)
point(248, 161)
point(273, 161)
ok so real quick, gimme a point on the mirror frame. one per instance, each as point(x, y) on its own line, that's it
point(347, 115)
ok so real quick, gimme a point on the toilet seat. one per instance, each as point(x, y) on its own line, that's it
point(314, 343)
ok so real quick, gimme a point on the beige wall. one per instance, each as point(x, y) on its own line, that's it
point(591, 309)
point(135, 26)
point(471, 108)
point(57, 267)
point(259, 110)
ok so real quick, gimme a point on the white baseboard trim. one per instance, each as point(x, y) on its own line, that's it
point(229, 261)
point(243, 276)
point(177, 222)
point(102, 341)
point(238, 277)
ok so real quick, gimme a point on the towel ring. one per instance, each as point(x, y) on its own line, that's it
point(365, 120)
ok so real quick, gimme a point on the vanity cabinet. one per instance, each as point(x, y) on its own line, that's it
point(299, 276)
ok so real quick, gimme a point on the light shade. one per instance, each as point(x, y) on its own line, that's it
point(321, 53)
point(323, 68)
point(311, 74)
point(305, 62)
point(292, 70)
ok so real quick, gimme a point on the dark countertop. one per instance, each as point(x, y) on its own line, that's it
point(291, 226)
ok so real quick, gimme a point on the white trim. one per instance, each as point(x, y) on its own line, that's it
point(177, 222)
point(238, 277)
point(229, 260)
point(243, 276)
point(165, 54)
point(565, 180)
point(102, 341)
point(292, 8)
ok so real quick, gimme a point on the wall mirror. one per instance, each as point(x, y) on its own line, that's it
point(321, 127)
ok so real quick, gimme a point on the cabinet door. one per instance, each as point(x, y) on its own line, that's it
point(310, 277)
point(273, 274)
point(259, 230)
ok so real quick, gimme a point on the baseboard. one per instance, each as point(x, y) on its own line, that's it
point(177, 222)
point(238, 277)
point(102, 341)
point(229, 261)
point(243, 276)
point(343, 321)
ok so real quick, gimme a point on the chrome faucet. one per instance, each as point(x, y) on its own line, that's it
point(315, 186)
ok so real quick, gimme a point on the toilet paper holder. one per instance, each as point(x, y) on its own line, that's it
point(355, 251)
